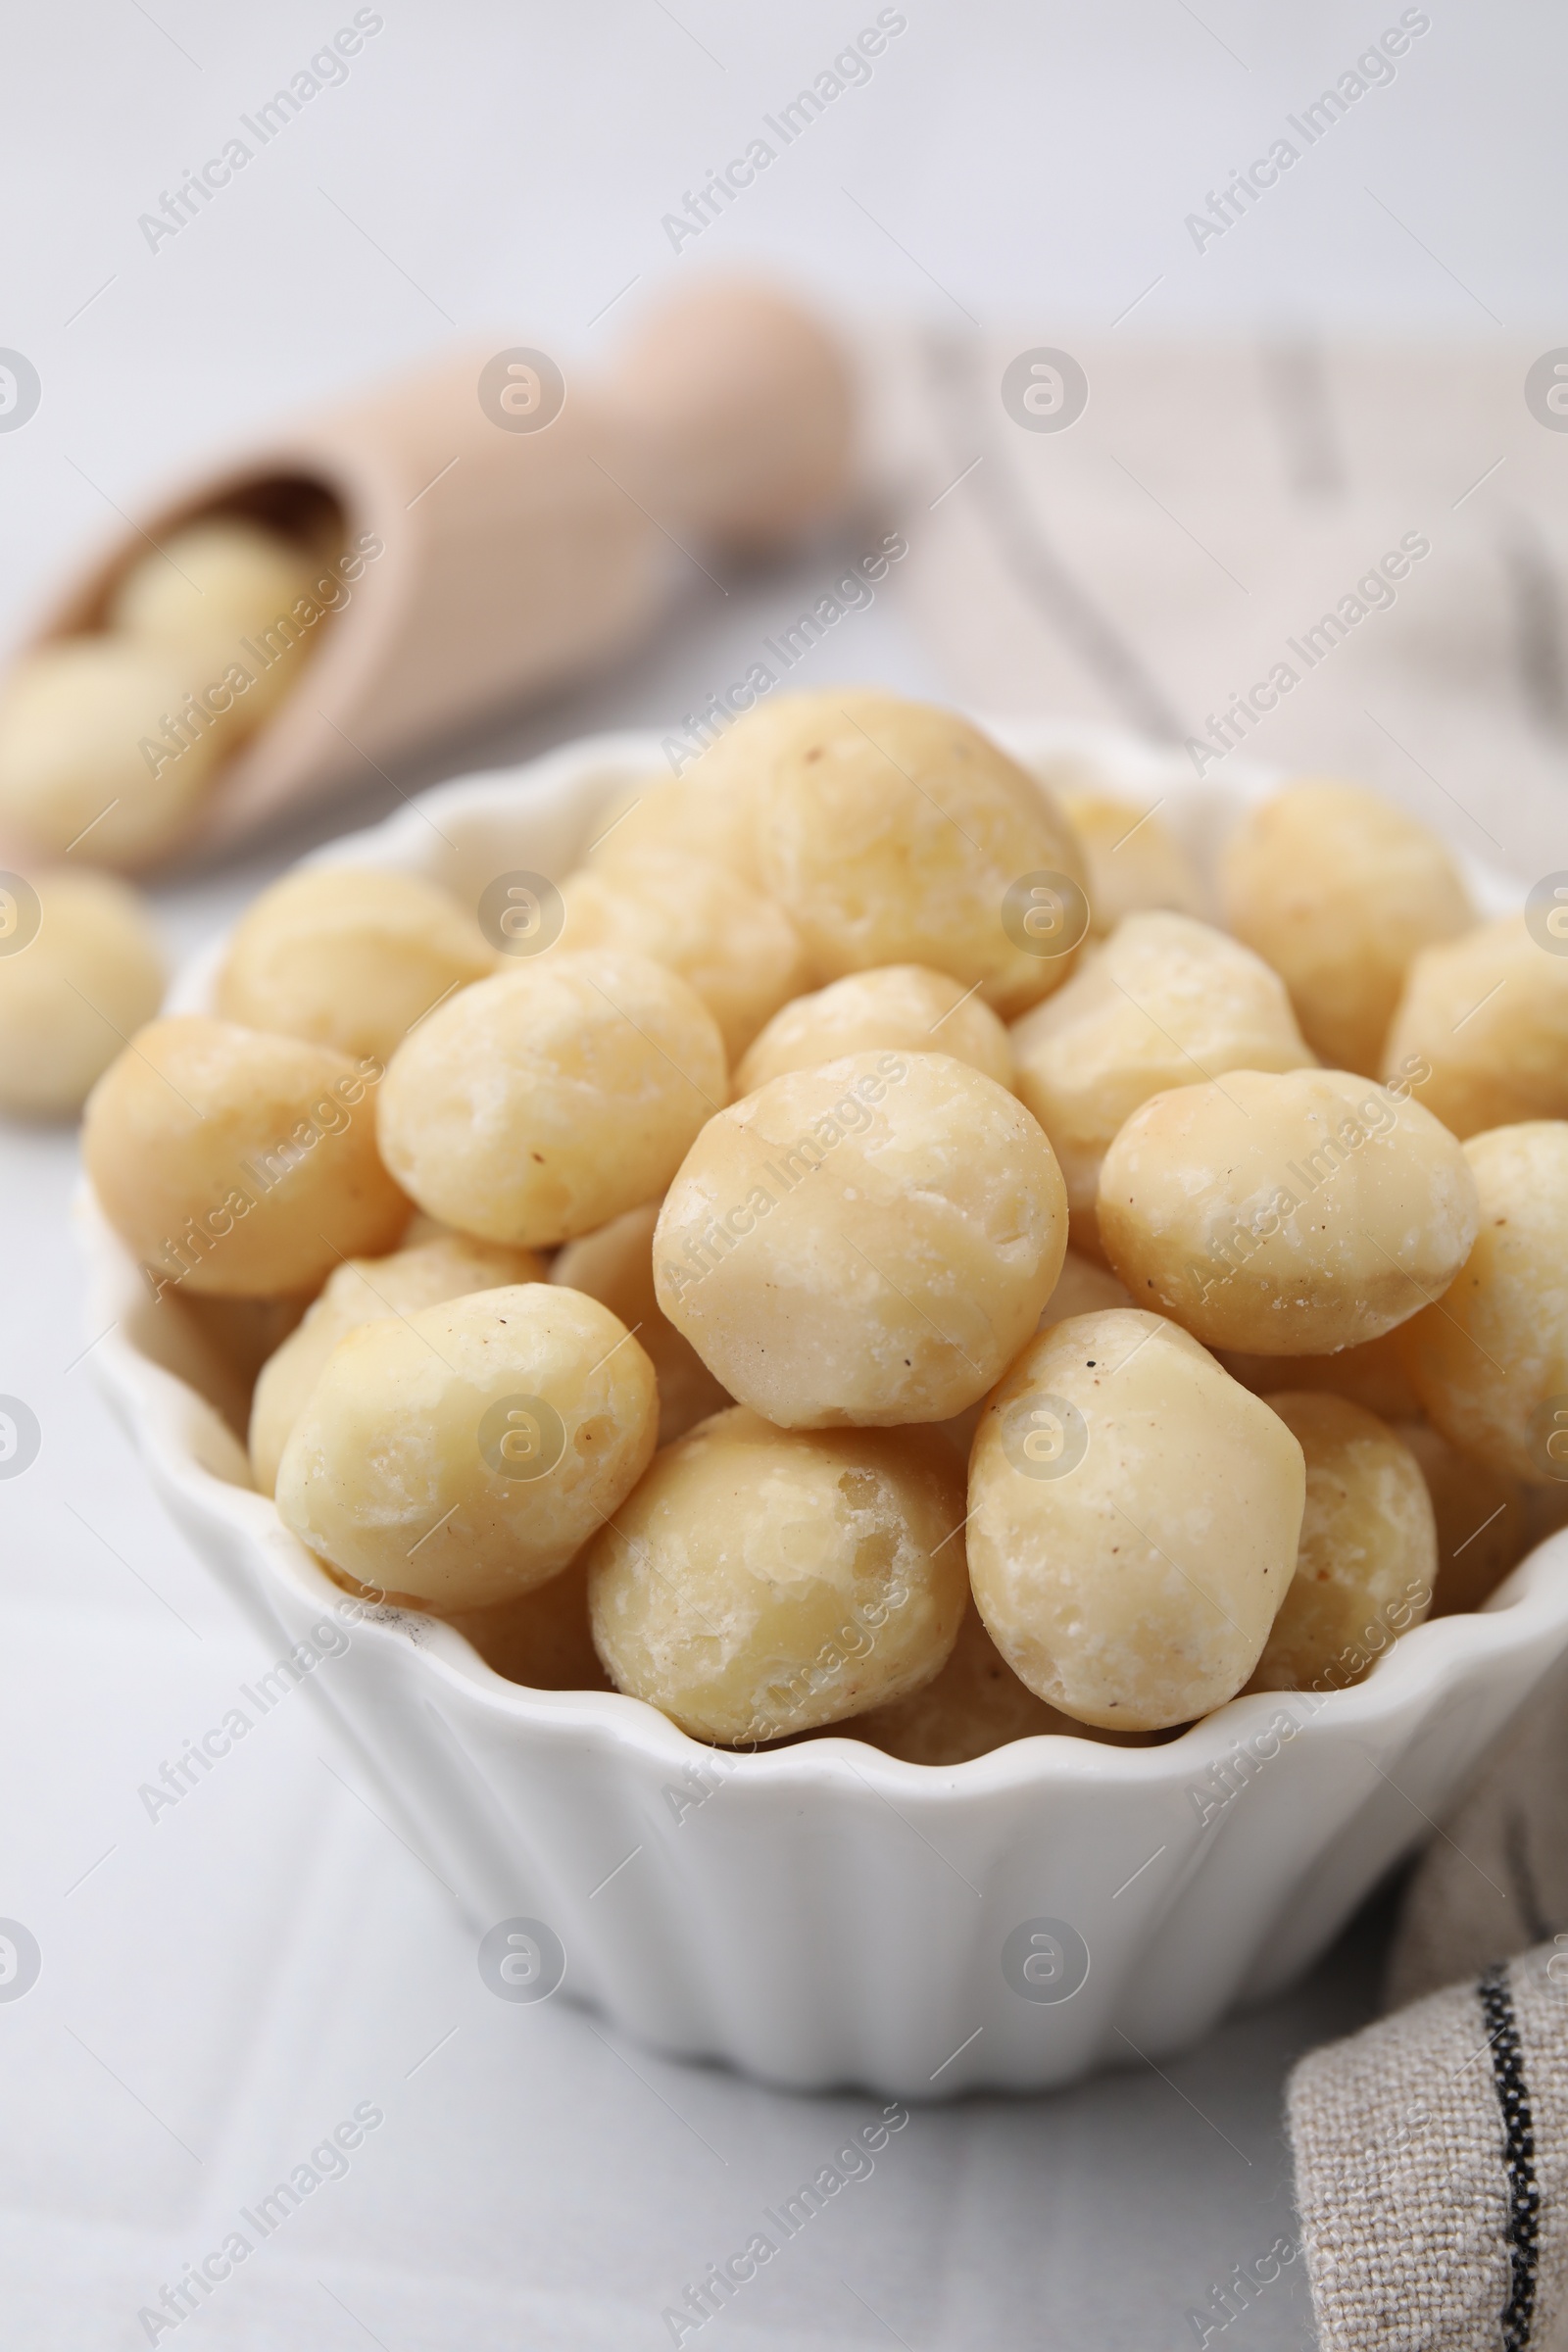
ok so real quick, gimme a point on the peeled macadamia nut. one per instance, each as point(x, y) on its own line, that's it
point(868, 1244)
point(1166, 1002)
point(1134, 1515)
point(87, 747)
point(1338, 890)
point(615, 1266)
point(538, 1105)
point(349, 957)
point(1483, 1520)
point(1134, 865)
point(461, 1455)
point(1367, 1561)
point(1481, 1029)
point(893, 833)
point(236, 1162)
point(904, 1005)
point(362, 1291)
point(1082, 1287)
point(735, 948)
point(709, 809)
point(213, 584)
point(543, 1640)
point(1490, 1358)
point(1285, 1215)
point(975, 1704)
point(79, 970)
point(762, 1581)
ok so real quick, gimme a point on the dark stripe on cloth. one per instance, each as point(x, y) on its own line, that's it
point(1518, 2156)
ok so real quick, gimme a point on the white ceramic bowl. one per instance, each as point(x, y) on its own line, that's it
point(826, 1914)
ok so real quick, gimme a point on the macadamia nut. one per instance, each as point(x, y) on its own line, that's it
point(236, 1162)
point(1338, 890)
point(615, 1266)
point(1483, 1520)
point(1367, 1560)
point(1490, 1357)
point(735, 948)
point(868, 1242)
point(543, 1639)
point(538, 1105)
point(461, 1455)
point(893, 833)
point(1166, 1002)
point(762, 1581)
point(349, 957)
point(975, 1704)
point(215, 584)
point(1134, 1515)
point(904, 1005)
point(79, 970)
point(1134, 865)
point(709, 809)
point(1372, 1375)
point(362, 1291)
point(1481, 1029)
point(1285, 1215)
point(89, 751)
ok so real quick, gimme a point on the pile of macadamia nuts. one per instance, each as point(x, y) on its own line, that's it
point(110, 742)
point(877, 1249)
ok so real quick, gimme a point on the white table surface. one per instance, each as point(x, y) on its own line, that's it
point(221, 1988)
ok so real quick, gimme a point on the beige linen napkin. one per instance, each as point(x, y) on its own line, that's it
point(1432, 2148)
point(1387, 524)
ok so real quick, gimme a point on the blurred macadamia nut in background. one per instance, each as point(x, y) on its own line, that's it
point(215, 584)
point(362, 1291)
point(735, 948)
point(1166, 1002)
point(894, 833)
point(543, 1640)
point(1367, 1561)
point(1482, 1519)
point(461, 1455)
point(1490, 1357)
point(1134, 865)
point(868, 1242)
point(1289, 1215)
point(1338, 890)
point(102, 744)
point(906, 1006)
point(79, 970)
point(1134, 1514)
point(763, 1581)
point(236, 1162)
point(1483, 1027)
point(975, 1704)
point(615, 1266)
point(1372, 1375)
point(542, 1103)
point(349, 957)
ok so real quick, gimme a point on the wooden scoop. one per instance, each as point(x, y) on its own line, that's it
point(508, 531)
